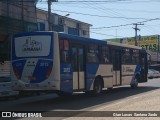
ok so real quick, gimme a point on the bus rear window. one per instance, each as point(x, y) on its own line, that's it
point(32, 46)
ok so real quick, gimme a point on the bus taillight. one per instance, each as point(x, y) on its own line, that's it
point(16, 72)
point(48, 72)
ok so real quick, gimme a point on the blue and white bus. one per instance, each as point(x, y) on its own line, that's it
point(63, 63)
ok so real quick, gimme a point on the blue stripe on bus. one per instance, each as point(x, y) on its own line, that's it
point(91, 70)
point(66, 74)
point(41, 69)
point(18, 67)
point(138, 68)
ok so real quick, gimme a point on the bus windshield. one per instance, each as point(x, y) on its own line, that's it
point(32, 46)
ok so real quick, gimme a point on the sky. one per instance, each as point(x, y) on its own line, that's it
point(111, 18)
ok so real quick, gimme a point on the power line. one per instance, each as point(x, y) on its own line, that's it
point(126, 10)
point(127, 24)
point(106, 34)
point(102, 1)
point(150, 28)
point(106, 1)
point(103, 8)
point(92, 1)
point(131, 10)
point(113, 26)
point(20, 1)
point(98, 15)
point(85, 13)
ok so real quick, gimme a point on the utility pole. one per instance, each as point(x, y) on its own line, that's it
point(49, 13)
point(22, 15)
point(7, 21)
point(158, 37)
point(136, 29)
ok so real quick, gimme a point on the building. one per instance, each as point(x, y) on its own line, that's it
point(22, 16)
point(62, 24)
point(15, 16)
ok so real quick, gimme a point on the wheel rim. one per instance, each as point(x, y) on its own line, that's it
point(98, 88)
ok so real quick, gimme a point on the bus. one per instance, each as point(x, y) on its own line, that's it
point(64, 64)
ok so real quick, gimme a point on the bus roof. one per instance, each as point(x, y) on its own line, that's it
point(123, 45)
point(75, 37)
point(85, 39)
point(61, 35)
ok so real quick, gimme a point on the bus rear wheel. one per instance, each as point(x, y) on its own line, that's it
point(135, 84)
point(97, 89)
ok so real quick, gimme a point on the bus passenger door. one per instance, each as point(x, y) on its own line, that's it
point(116, 60)
point(78, 67)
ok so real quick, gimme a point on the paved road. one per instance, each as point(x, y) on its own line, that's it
point(145, 106)
point(123, 98)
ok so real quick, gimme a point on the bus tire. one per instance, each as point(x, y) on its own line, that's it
point(135, 84)
point(98, 84)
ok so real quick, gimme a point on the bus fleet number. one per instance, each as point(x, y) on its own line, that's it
point(44, 64)
point(66, 69)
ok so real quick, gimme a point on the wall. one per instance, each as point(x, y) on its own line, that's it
point(42, 17)
point(63, 24)
point(15, 16)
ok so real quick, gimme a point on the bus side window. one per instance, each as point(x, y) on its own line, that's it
point(104, 54)
point(64, 51)
point(135, 56)
point(126, 58)
point(93, 54)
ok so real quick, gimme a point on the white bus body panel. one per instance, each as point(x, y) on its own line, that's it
point(106, 71)
point(128, 72)
point(75, 80)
